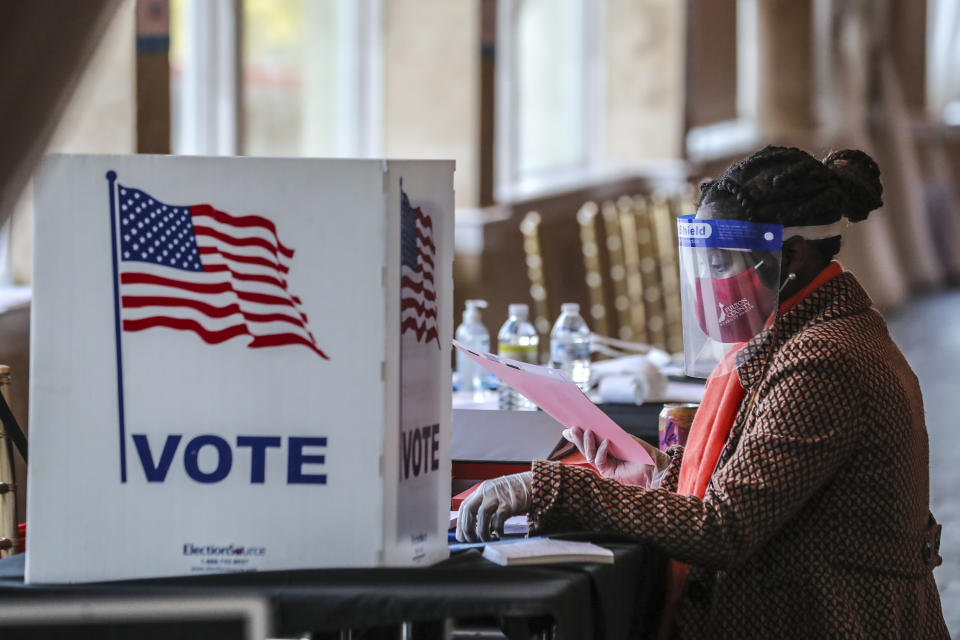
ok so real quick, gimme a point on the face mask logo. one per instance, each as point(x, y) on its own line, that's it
point(738, 306)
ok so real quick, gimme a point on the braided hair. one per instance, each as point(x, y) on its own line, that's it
point(788, 186)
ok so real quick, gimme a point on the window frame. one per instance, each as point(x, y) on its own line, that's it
point(742, 133)
point(509, 184)
point(212, 96)
point(943, 39)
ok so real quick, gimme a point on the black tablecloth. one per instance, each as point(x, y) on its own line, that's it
point(585, 600)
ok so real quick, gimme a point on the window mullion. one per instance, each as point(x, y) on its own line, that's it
point(211, 80)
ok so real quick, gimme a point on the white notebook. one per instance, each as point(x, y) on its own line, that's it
point(546, 550)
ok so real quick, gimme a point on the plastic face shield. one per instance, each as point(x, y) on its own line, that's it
point(729, 287)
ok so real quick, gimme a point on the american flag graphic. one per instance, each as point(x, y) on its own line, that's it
point(194, 268)
point(418, 295)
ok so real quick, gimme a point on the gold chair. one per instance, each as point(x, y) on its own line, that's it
point(641, 241)
point(530, 228)
point(639, 299)
point(664, 229)
point(682, 205)
point(8, 488)
point(590, 248)
point(637, 286)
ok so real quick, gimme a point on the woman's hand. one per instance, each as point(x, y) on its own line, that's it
point(485, 510)
point(635, 473)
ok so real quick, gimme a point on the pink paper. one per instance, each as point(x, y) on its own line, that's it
point(554, 392)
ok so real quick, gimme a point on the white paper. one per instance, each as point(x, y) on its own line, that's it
point(622, 389)
point(680, 392)
point(512, 526)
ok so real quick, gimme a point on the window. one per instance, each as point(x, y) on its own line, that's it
point(6, 277)
point(741, 131)
point(943, 74)
point(302, 79)
point(204, 91)
point(548, 92)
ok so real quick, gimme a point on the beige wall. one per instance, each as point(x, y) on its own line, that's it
point(431, 71)
point(644, 50)
point(101, 118)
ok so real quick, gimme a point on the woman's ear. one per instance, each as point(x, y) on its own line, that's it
point(794, 256)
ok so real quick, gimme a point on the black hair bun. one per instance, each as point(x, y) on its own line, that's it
point(859, 179)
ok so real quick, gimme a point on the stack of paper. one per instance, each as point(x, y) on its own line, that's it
point(546, 550)
point(512, 526)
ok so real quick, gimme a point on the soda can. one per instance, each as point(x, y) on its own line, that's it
point(675, 421)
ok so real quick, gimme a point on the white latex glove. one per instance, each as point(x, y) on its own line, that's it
point(635, 473)
point(486, 509)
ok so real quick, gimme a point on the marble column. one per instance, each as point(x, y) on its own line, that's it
point(643, 49)
point(431, 100)
point(785, 70)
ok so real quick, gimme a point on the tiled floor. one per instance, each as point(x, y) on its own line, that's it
point(928, 332)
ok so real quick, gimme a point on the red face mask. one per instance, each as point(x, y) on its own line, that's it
point(739, 308)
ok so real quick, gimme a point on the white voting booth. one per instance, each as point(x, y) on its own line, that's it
point(239, 364)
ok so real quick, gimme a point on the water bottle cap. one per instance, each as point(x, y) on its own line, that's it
point(472, 312)
point(570, 307)
point(519, 310)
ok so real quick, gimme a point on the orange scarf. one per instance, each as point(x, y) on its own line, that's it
point(708, 433)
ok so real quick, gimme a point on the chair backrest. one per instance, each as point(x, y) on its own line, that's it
point(530, 228)
point(591, 262)
point(663, 229)
point(9, 536)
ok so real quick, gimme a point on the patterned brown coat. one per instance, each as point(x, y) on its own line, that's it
point(816, 523)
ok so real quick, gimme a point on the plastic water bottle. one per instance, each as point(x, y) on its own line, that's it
point(570, 345)
point(472, 333)
point(517, 340)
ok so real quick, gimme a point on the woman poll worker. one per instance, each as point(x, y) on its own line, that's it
point(799, 506)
